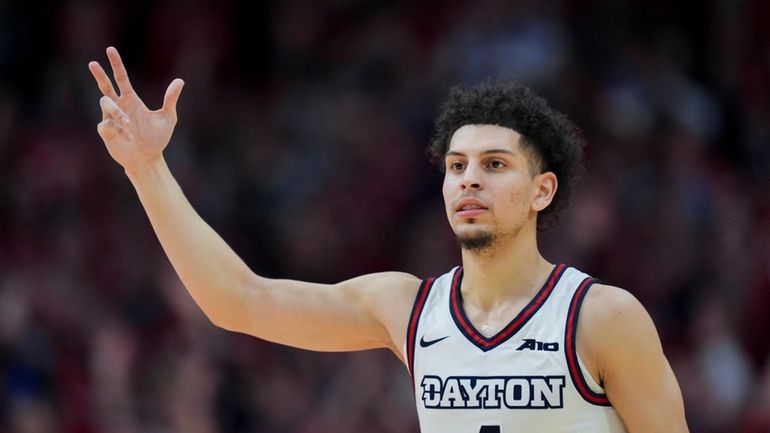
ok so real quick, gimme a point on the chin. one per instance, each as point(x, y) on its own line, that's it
point(475, 240)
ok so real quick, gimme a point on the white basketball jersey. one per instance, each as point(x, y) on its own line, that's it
point(525, 379)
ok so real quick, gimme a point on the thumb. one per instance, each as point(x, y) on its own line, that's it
point(172, 96)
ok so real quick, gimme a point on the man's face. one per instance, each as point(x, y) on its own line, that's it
point(490, 192)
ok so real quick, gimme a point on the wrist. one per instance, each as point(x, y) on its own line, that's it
point(146, 170)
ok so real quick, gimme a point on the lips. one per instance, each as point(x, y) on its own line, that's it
point(469, 204)
point(470, 207)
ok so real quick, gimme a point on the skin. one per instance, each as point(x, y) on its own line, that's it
point(486, 166)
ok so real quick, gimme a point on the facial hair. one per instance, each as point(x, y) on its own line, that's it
point(476, 242)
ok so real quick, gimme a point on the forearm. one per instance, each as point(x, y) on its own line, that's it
point(210, 270)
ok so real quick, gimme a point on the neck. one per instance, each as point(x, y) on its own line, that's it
point(511, 270)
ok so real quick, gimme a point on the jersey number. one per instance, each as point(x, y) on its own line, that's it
point(490, 429)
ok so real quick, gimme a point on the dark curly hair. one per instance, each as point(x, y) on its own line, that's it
point(551, 141)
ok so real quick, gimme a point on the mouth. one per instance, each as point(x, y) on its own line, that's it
point(467, 208)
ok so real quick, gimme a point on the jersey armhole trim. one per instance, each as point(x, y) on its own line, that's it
point(593, 385)
point(414, 319)
point(570, 350)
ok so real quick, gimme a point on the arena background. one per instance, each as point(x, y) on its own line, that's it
point(301, 139)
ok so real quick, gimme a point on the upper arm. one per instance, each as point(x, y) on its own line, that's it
point(366, 312)
point(621, 341)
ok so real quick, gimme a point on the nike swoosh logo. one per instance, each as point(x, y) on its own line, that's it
point(424, 343)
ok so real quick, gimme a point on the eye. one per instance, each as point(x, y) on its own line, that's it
point(496, 164)
point(456, 165)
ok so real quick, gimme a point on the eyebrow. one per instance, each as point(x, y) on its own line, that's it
point(486, 152)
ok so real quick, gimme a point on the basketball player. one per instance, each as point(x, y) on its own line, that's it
point(508, 342)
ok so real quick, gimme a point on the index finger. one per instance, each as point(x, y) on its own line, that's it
point(119, 71)
point(102, 80)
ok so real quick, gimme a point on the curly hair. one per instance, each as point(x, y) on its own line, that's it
point(550, 140)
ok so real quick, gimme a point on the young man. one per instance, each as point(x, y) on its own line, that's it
point(507, 342)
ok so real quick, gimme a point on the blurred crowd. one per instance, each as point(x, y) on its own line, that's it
point(301, 138)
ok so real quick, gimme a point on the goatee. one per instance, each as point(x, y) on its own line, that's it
point(476, 242)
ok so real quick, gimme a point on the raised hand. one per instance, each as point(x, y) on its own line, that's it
point(135, 135)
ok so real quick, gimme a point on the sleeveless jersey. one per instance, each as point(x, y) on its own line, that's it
point(527, 378)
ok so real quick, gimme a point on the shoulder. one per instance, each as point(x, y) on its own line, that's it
point(389, 296)
point(605, 304)
point(610, 314)
point(615, 327)
point(385, 293)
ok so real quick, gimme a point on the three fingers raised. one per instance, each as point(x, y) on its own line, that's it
point(121, 77)
point(112, 114)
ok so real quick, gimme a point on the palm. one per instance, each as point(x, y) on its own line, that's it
point(149, 132)
point(134, 135)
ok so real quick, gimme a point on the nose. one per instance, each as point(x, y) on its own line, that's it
point(471, 179)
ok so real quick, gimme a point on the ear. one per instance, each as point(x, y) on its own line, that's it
point(545, 186)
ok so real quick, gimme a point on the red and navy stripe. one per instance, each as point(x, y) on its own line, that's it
point(570, 349)
point(414, 319)
point(484, 343)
